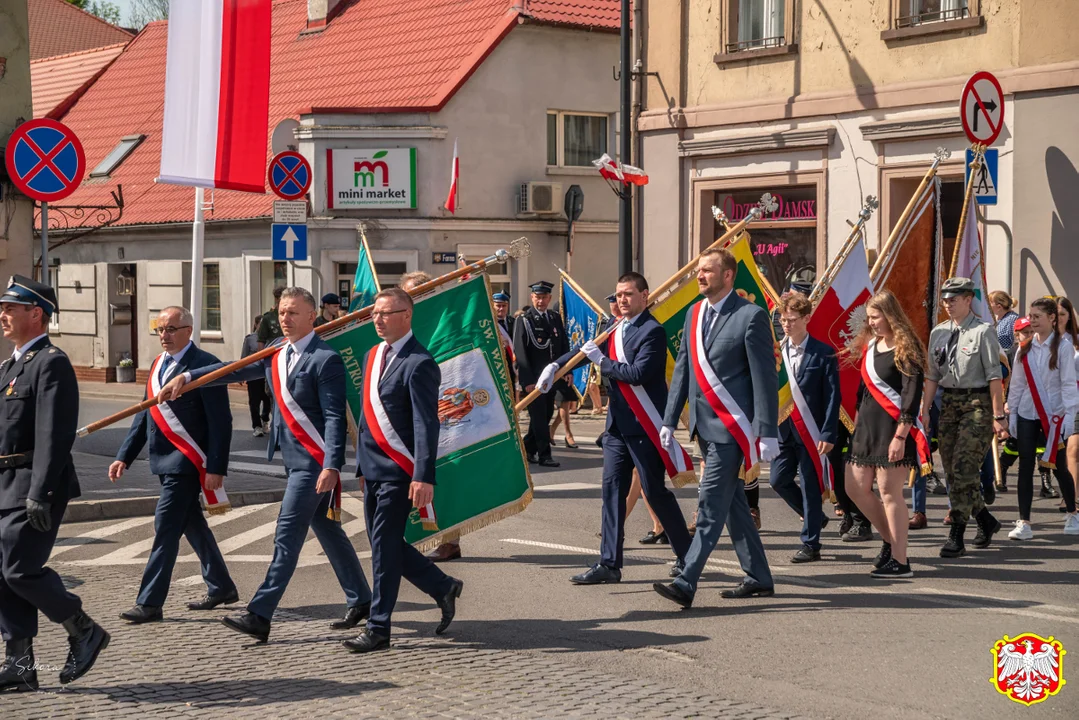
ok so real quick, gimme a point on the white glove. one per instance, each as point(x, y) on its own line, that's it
point(546, 378)
point(1013, 425)
point(666, 437)
point(592, 351)
point(769, 448)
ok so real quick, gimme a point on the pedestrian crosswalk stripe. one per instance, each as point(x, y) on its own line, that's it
point(86, 538)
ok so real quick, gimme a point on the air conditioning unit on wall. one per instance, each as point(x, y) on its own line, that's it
point(540, 198)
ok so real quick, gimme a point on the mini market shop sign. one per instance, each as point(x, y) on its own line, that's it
point(371, 178)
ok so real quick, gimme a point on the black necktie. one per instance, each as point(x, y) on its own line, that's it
point(709, 322)
point(953, 345)
point(164, 368)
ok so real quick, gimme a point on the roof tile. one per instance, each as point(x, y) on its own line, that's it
point(58, 28)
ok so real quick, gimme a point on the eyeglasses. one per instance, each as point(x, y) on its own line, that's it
point(170, 330)
point(790, 321)
point(376, 315)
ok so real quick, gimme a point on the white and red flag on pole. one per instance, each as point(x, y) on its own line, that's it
point(616, 172)
point(455, 173)
point(970, 262)
point(840, 315)
point(217, 94)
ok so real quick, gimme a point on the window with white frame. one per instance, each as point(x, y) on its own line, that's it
point(211, 295)
point(497, 273)
point(918, 12)
point(575, 139)
point(757, 24)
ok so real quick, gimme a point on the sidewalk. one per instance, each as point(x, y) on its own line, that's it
point(133, 392)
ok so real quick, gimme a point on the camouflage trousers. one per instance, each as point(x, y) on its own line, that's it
point(964, 436)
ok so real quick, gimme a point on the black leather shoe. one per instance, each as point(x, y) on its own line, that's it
point(142, 614)
point(368, 641)
point(353, 617)
point(652, 537)
point(679, 566)
point(989, 493)
point(17, 673)
point(448, 605)
point(806, 554)
point(824, 520)
point(988, 526)
point(549, 462)
point(532, 458)
point(598, 574)
point(86, 639)
point(249, 623)
point(210, 602)
point(674, 593)
point(747, 589)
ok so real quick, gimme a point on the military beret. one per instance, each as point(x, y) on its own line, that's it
point(331, 299)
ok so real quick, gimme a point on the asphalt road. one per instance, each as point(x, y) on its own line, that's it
point(831, 643)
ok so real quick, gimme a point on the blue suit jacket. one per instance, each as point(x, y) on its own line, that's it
point(645, 344)
point(818, 379)
point(206, 416)
point(741, 352)
point(409, 393)
point(317, 384)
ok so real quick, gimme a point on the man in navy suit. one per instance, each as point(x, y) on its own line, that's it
point(638, 376)
point(734, 416)
point(816, 371)
point(205, 419)
point(396, 456)
point(308, 381)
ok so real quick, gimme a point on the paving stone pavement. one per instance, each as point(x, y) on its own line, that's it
point(190, 666)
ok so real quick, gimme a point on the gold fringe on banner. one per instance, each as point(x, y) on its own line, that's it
point(472, 524)
point(684, 478)
point(845, 419)
point(220, 509)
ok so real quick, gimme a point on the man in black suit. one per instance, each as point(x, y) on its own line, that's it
point(634, 360)
point(538, 339)
point(806, 438)
point(40, 411)
point(396, 457)
point(189, 442)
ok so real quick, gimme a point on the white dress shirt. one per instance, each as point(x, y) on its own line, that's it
point(176, 357)
point(297, 349)
point(20, 351)
point(796, 353)
point(717, 306)
point(1060, 384)
point(393, 350)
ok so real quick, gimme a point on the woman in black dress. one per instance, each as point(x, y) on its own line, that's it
point(882, 447)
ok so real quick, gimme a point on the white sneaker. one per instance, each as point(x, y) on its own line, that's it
point(1071, 524)
point(1022, 531)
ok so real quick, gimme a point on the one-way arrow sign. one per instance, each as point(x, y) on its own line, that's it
point(288, 242)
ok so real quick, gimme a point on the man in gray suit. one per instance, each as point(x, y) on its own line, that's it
point(727, 346)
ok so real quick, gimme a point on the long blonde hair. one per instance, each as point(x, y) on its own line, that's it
point(909, 351)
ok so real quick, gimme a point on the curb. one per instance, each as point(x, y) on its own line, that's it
point(90, 510)
point(235, 404)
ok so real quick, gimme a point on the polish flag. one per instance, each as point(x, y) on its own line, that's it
point(616, 172)
point(217, 94)
point(970, 263)
point(455, 171)
point(840, 315)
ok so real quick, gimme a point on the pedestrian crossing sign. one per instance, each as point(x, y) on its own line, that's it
point(985, 182)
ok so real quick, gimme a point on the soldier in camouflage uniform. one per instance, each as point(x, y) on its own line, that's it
point(964, 361)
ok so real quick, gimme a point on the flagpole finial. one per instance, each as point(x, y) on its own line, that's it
point(519, 248)
point(766, 205)
point(942, 154)
point(719, 215)
point(871, 204)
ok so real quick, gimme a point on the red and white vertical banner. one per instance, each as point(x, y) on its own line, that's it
point(455, 174)
point(217, 94)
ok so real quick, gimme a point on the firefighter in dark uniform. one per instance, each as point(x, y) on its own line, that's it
point(538, 339)
point(37, 479)
point(507, 322)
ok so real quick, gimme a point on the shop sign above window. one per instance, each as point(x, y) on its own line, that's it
point(794, 203)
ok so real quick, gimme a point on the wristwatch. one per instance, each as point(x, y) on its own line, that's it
point(1000, 417)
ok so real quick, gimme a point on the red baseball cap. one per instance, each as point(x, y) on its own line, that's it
point(1022, 323)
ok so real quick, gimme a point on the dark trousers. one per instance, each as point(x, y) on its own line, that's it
point(179, 514)
point(538, 437)
point(838, 460)
point(258, 401)
point(386, 507)
point(1030, 437)
point(303, 509)
point(26, 585)
point(620, 455)
point(794, 458)
point(722, 502)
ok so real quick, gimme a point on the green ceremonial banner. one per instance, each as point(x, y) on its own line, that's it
point(481, 474)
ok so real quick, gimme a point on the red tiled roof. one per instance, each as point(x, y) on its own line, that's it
point(58, 28)
point(58, 81)
point(604, 14)
point(373, 56)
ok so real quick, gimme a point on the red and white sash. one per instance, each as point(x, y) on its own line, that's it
point(676, 459)
point(804, 422)
point(887, 397)
point(1051, 426)
point(378, 422)
point(300, 425)
point(215, 501)
point(721, 401)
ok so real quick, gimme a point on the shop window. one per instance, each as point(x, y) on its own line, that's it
point(575, 139)
point(912, 18)
point(784, 242)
